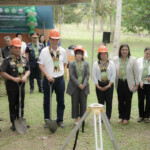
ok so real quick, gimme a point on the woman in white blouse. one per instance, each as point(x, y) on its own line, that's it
point(127, 81)
point(103, 73)
point(144, 86)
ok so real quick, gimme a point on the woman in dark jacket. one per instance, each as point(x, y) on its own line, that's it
point(78, 86)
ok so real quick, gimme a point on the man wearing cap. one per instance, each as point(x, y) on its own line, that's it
point(15, 69)
point(32, 53)
point(51, 62)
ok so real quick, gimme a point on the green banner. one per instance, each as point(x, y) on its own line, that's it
point(13, 19)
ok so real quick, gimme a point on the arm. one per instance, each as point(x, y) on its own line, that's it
point(49, 78)
point(113, 74)
point(136, 74)
point(86, 79)
point(27, 56)
point(27, 53)
point(24, 78)
point(95, 80)
point(9, 77)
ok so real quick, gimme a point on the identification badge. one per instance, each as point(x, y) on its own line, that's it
point(20, 70)
point(104, 76)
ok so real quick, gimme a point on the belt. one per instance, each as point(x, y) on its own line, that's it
point(58, 78)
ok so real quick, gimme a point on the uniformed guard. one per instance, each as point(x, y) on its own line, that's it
point(32, 53)
point(15, 69)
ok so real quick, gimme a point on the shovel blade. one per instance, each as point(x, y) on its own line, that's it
point(21, 125)
point(51, 124)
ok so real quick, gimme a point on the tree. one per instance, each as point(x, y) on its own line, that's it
point(73, 14)
point(116, 42)
point(106, 11)
point(136, 14)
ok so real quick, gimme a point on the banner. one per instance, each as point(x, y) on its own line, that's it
point(13, 20)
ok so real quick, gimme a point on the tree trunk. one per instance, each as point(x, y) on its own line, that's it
point(117, 33)
point(88, 24)
point(112, 28)
point(101, 24)
point(138, 31)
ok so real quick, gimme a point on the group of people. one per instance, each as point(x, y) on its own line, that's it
point(128, 74)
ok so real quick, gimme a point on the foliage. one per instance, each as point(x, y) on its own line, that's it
point(73, 14)
point(135, 15)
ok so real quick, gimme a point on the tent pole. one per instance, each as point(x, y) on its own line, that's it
point(94, 7)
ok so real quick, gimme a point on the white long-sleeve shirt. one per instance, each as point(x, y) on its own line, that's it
point(111, 72)
point(140, 65)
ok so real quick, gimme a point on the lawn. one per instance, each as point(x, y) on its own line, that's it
point(134, 136)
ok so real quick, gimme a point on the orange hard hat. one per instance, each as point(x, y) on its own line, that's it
point(102, 49)
point(16, 42)
point(80, 48)
point(34, 35)
point(54, 34)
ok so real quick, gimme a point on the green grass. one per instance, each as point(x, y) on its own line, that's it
point(134, 136)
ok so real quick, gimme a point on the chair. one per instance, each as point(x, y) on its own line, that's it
point(70, 58)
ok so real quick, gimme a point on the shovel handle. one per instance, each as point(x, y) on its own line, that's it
point(20, 85)
point(50, 99)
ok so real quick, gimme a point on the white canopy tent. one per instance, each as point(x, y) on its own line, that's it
point(38, 2)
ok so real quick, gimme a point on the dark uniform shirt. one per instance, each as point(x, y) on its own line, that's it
point(11, 66)
point(6, 51)
point(32, 58)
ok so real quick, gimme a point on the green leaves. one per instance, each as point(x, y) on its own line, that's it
point(136, 15)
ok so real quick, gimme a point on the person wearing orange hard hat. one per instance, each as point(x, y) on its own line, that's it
point(15, 69)
point(32, 52)
point(78, 86)
point(104, 74)
point(52, 60)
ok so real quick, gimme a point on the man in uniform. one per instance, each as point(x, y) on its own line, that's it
point(15, 69)
point(6, 49)
point(32, 54)
point(51, 62)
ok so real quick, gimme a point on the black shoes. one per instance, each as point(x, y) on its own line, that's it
point(146, 120)
point(140, 119)
point(13, 128)
point(40, 91)
point(61, 124)
point(45, 126)
point(31, 91)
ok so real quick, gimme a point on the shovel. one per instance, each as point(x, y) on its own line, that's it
point(51, 124)
point(20, 123)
